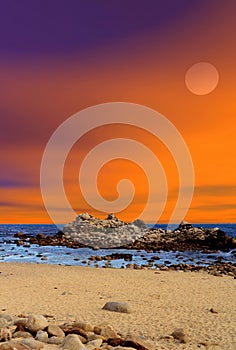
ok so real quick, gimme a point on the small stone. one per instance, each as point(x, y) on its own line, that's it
point(108, 332)
point(42, 336)
point(32, 343)
point(72, 342)
point(117, 307)
point(180, 335)
point(3, 323)
point(36, 322)
point(55, 340)
point(5, 334)
point(22, 334)
point(86, 326)
point(96, 343)
point(6, 317)
point(213, 311)
point(55, 331)
point(13, 345)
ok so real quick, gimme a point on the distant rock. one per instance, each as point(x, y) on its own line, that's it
point(103, 233)
point(117, 307)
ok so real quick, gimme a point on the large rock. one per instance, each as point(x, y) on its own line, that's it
point(117, 307)
point(108, 233)
point(36, 323)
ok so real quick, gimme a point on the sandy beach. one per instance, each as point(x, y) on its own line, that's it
point(161, 301)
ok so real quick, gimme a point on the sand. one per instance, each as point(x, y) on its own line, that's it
point(161, 301)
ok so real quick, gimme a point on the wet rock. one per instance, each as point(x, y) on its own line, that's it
point(117, 307)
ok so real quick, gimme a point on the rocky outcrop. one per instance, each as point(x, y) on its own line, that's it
point(185, 237)
point(108, 233)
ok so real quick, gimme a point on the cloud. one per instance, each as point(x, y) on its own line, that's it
point(214, 207)
point(215, 190)
point(7, 183)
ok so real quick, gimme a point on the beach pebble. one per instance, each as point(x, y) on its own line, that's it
point(72, 342)
point(108, 332)
point(180, 335)
point(96, 343)
point(36, 322)
point(55, 331)
point(55, 340)
point(42, 336)
point(117, 306)
point(86, 326)
point(5, 334)
point(7, 317)
point(3, 323)
point(13, 345)
point(32, 343)
point(22, 334)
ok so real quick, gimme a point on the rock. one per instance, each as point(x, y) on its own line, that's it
point(36, 322)
point(32, 343)
point(13, 345)
point(86, 326)
point(42, 336)
point(180, 335)
point(213, 311)
point(3, 323)
point(72, 342)
point(5, 334)
point(55, 331)
point(7, 317)
point(22, 334)
point(85, 216)
point(108, 332)
point(55, 340)
point(75, 330)
point(117, 307)
point(121, 348)
point(96, 343)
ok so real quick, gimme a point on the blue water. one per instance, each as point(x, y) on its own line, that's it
point(9, 252)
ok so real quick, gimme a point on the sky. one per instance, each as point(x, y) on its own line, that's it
point(176, 57)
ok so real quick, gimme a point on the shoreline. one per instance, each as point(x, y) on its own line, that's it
point(161, 301)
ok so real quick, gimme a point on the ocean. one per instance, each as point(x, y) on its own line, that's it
point(10, 252)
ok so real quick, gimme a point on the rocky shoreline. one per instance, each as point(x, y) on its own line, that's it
point(184, 238)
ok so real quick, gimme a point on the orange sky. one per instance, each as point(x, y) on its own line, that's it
point(39, 93)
